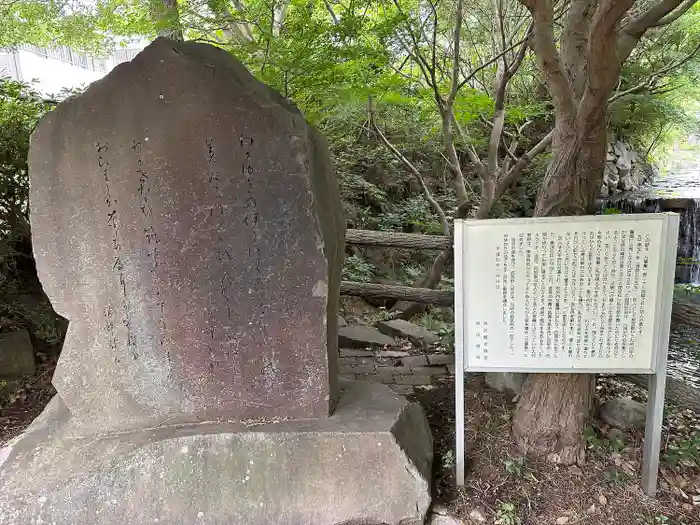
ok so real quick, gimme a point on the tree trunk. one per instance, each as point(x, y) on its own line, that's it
point(166, 15)
point(553, 408)
point(551, 416)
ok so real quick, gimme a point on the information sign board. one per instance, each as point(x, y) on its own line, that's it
point(588, 294)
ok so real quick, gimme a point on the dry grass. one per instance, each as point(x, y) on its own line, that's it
point(505, 488)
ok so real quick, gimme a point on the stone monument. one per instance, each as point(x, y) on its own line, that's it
point(186, 220)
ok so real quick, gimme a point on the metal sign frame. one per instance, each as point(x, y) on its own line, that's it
point(661, 330)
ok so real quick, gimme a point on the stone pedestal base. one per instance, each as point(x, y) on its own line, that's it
point(369, 463)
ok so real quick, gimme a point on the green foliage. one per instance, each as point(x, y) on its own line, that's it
point(20, 109)
point(687, 289)
point(686, 452)
point(615, 477)
point(355, 268)
point(514, 466)
point(611, 211)
point(444, 330)
point(448, 460)
point(506, 514)
point(611, 444)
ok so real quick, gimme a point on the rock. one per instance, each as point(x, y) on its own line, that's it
point(441, 359)
point(626, 183)
point(477, 516)
point(615, 434)
point(341, 322)
point(624, 162)
point(619, 148)
point(16, 355)
point(604, 191)
point(185, 474)
point(602, 500)
point(392, 354)
point(508, 382)
point(611, 176)
point(638, 175)
point(361, 336)
point(591, 509)
point(186, 219)
point(610, 157)
point(622, 413)
point(633, 156)
point(407, 330)
point(415, 360)
point(444, 519)
point(563, 520)
point(170, 242)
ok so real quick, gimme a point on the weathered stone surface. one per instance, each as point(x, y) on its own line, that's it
point(509, 382)
point(349, 352)
point(623, 413)
point(16, 355)
point(444, 519)
point(361, 336)
point(611, 175)
point(441, 359)
point(626, 183)
point(432, 371)
point(415, 360)
point(624, 161)
point(311, 472)
point(341, 321)
point(392, 353)
point(407, 330)
point(186, 220)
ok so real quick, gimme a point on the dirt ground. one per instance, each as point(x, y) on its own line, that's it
point(503, 488)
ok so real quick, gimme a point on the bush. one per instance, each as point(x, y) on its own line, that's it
point(20, 109)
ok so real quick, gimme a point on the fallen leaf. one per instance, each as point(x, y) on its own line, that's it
point(563, 520)
point(476, 515)
point(687, 506)
point(602, 500)
point(591, 509)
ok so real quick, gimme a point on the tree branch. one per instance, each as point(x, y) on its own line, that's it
point(329, 8)
point(513, 174)
point(635, 28)
point(459, 15)
point(675, 15)
point(407, 163)
point(548, 57)
point(655, 76)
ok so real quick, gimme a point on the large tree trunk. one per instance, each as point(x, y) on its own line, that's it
point(553, 408)
point(551, 415)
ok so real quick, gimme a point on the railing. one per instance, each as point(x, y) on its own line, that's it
point(67, 55)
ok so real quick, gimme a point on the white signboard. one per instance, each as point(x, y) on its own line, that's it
point(566, 294)
point(557, 294)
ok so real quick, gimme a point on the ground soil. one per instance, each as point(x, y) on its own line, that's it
point(504, 488)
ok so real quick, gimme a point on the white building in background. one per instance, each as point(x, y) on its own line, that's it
point(59, 68)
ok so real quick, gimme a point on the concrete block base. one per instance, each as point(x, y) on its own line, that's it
point(369, 463)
